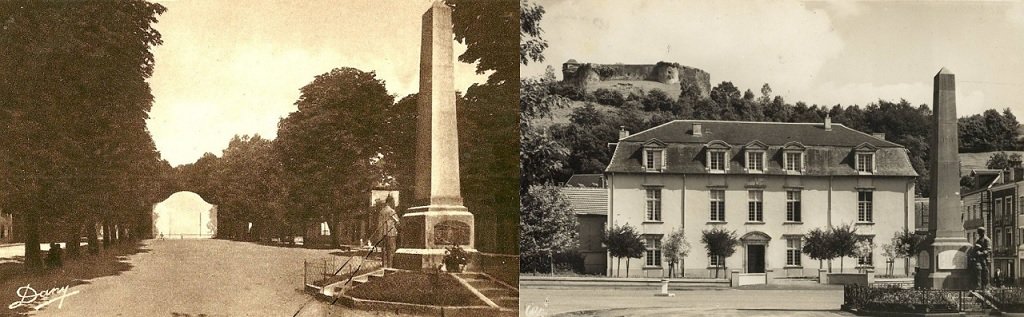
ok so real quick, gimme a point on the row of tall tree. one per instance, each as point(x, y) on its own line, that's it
point(350, 135)
point(75, 155)
point(326, 159)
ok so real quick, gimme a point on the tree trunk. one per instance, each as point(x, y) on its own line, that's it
point(106, 234)
point(33, 258)
point(94, 240)
point(841, 264)
point(628, 267)
point(305, 233)
point(906, 266)
point(71, 241)
point(334, 233)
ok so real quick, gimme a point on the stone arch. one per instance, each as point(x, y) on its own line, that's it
point(755, 237)
point(184, 215)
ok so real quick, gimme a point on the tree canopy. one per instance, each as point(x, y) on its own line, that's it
point(73, 106)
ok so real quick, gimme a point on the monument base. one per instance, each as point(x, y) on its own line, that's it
point(948, 267)
point(426, 233)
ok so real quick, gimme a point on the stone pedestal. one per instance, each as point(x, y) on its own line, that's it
point(428, 230)
point(443, 222)
point(946, 254)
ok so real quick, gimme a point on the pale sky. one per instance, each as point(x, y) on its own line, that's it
point(235, 67)
point(817, 52)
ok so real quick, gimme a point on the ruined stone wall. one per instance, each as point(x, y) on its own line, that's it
point(583, 74)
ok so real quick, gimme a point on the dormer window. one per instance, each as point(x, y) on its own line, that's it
point(755, 155)
point(716, 160)
point(654, 156)
point(864, 158)
point(866, 162)
point(717, 157)
point(793, 157)
point(794, 161)
point(755, 162)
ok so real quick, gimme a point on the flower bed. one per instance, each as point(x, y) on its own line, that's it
point(900, 300)
point(417, 288)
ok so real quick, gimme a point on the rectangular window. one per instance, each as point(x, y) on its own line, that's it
point(653, 161)
point(793, 205)
point(1020, 205)
point(717, 205)
point(716, 160)
point(755, 161)
point(653, 253)
point(1009, 206)
point(755, 206)
point(793, 251)
point(865, 162)
point(794, 161)
point(999, 207)
point(654, 204)
point(1009, 237)
point(864, 201)
point(866, 260)
point(716, 260)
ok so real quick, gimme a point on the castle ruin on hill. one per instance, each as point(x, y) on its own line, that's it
point(583, 74)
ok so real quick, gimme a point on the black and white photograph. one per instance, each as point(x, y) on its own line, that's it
point(195, 158)
point(771, 158)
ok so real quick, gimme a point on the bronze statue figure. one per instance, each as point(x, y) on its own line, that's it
point(978, 259)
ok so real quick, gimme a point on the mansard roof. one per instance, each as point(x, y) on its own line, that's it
point(827, 153)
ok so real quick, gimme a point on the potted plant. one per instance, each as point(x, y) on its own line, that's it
point(455, 258)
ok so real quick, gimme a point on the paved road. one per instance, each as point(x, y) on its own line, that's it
point(202, 278)
point(694, 302)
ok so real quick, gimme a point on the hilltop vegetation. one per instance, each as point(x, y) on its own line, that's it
point(587, 120)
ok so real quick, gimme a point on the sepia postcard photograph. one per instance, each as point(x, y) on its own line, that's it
point(771, 158)
point(192, 158)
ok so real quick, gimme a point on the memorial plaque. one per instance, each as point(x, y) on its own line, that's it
point(451, 233)
point(952, 259)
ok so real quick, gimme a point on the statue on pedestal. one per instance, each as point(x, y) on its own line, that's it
point(978, 258)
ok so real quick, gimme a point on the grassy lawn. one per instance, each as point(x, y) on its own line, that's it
point(75, 271)
point(417, 288)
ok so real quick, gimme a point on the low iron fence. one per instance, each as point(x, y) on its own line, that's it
point(323, 271)
point(892, 298)
point(1007, 299)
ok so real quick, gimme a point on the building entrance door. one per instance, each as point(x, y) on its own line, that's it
point(755, 258)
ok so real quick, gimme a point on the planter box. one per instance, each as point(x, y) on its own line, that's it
point(850, 278)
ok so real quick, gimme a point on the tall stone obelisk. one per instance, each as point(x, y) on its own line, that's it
point(943, 264)
point(440, 220)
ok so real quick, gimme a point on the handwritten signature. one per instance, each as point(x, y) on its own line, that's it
point(29, 296)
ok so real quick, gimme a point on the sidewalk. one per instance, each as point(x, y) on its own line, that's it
point(618, 282)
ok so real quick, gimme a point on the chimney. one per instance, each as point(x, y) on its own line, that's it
point(697, 129)
point(880, 136)
point(623, 133)
point(828, 122)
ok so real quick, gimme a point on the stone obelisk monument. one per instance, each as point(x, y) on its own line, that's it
point(943, 264)
point(440, 220)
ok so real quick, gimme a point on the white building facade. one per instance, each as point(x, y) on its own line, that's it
point(769, 182)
